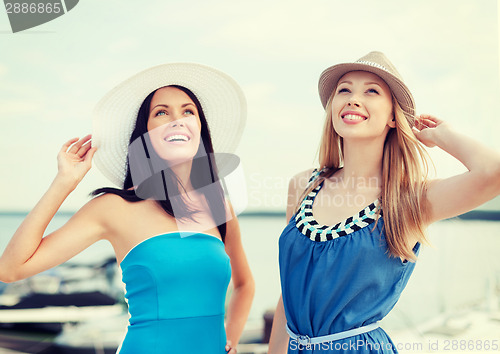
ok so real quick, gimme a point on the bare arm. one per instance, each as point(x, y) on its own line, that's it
point(278, 343)
point(461, 193)
point(243, 285)
point(28, 253)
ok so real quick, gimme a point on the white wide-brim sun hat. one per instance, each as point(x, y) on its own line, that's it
point(115, 115)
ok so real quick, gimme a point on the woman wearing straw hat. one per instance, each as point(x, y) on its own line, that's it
point(175, 236)
point(356, 223)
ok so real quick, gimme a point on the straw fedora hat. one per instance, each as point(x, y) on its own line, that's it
point(378, 64)
point(114, 116)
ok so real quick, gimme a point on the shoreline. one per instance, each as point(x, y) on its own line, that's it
point(476, 214)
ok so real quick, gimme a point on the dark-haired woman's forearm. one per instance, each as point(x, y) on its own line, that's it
point(237, 312)
point(74, 161)
point(28, 236)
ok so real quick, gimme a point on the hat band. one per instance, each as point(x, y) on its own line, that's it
point(372, 64)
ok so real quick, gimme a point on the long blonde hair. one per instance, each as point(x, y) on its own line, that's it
point(404, 177)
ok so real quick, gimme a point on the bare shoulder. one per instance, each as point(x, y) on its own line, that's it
point(105, 204)
point(109, 210)
point(298, 183)
point(296, 187)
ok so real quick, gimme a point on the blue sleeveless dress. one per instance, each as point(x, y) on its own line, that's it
point(337, 278)
point(176, 286)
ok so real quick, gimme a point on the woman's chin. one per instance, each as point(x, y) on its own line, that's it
point(177, 160)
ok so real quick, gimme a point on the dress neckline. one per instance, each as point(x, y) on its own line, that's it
point(182, 234)
point(308, 226)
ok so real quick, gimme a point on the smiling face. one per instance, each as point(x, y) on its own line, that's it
point(174, 125)
point(362, 106)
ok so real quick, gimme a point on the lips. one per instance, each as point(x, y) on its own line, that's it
point(352, 117)
point(177, 137)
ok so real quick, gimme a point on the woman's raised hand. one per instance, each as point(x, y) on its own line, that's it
point(426, 127)
point(75, 159)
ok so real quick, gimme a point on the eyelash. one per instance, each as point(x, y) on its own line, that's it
point(164, 111)
point(346, 90)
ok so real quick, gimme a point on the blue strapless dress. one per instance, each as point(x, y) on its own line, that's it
point(176, 286)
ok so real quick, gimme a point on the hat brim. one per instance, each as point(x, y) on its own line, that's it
point(330, 77)
point(115, 115)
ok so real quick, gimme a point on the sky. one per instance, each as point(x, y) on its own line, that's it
point(52, 76)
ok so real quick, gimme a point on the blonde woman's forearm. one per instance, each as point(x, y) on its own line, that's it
point(461, 193)
point(278, 343)
point(474, 155)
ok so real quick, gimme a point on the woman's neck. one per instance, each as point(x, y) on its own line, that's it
point(363, 162)
point(183, 173)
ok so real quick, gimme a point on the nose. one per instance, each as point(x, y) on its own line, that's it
point(177, 123)
point(353, 102)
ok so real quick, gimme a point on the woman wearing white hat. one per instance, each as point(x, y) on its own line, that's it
point(175, 236)
point(356, 223)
